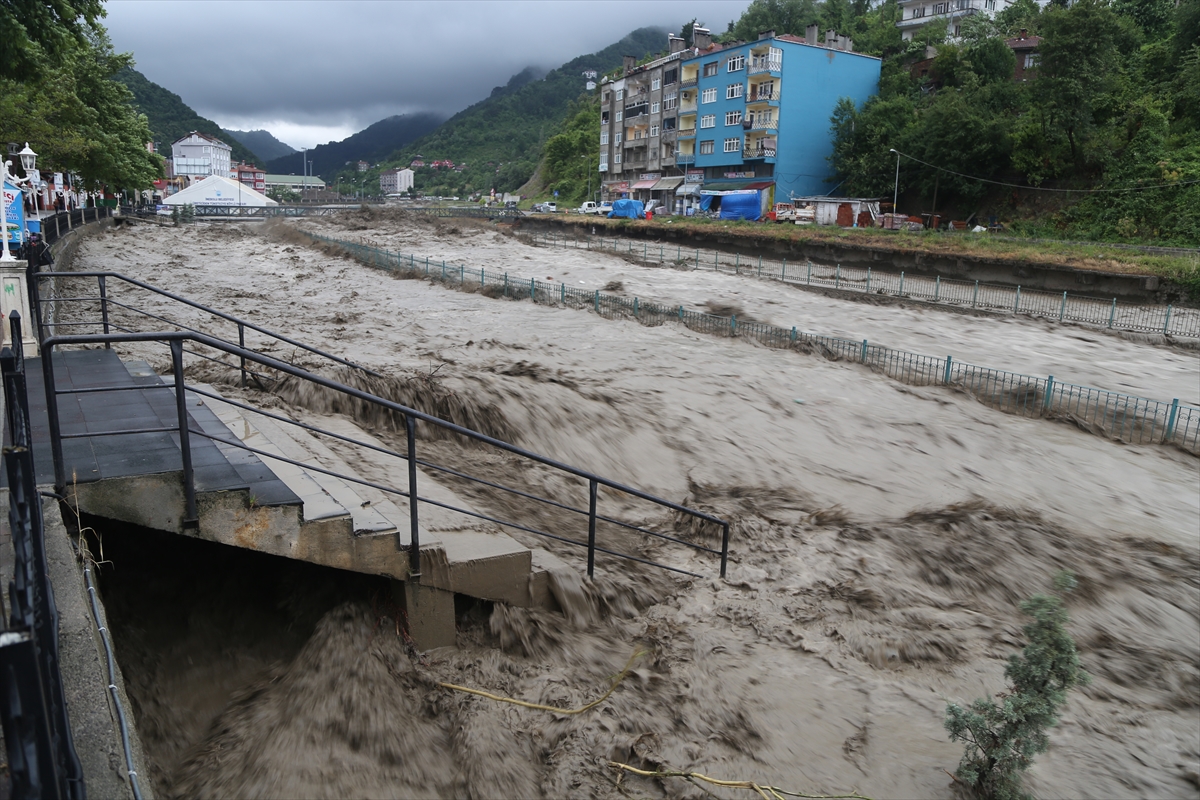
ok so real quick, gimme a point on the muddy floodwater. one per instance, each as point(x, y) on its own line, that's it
point(883, 536)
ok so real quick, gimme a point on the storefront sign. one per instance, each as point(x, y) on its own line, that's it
point(623, 186)
point(749, 174)
point(14, 213)
point(694, 176)
point(649, 176)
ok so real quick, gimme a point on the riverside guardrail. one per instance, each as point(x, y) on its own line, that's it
point(55, 226)
point(603, 530)
point(1168, 320)
point(37, 730)
point(1128, 418)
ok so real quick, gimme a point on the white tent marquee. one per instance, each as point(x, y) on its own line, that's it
point(216, 190)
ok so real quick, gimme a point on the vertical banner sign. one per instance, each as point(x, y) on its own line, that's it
point(14, 214)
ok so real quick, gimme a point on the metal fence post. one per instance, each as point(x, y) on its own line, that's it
point(737, 263)
point(597, 301)
point(868, 280)
point(1167, 324)
point(863, 356)
point(533, 289)
point(635, 307)
point(1049, 393)
point(946, 374)
point(783, 271)
point(724, 548)
point(104, 308)
point(564, 292)
point(414, 540)
point(837, 281)
point(681, 313)
point(937, 288)
point(242, 344)
point(733, 325)
point(1112, 314)
point(60, 470)
point(1171, 421)
point(191, 519)
point(482, 277)
point(975, 297)
point(760, 266)
point(591, 527)
point(901, 292)
point(809, 281)
point(793, 334)
point(506, 284)
point(1062, 310)
point(1017, 302)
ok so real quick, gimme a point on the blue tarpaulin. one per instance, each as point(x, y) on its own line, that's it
point(743, 205)
point(629, 209)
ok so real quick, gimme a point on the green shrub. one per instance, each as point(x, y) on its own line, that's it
point(1002, 738)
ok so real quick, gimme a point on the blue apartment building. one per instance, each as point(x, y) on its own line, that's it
point(755, 117)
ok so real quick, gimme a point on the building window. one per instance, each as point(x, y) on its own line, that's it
point(918, 12)
point(736, 63)
point(669, 124)
point(654, 108)
point(604, 97)
point(711, 68)
point(616, 158)
point(1031, 60)
point(733, 90)
point(603, 164)
point(733, 118)
point(671, 76)
point(620, 94)
point(604, 137)
point(604, 118)
point(653, 131)
point(708, 96)
point(708, 121)
point(706, 147)
point(617, 138)
point(655, 84)
point(670, 102)
point(941, 8)
point(733, 145)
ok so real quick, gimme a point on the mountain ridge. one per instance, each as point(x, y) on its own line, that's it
point(370, 144)
point(263, 143)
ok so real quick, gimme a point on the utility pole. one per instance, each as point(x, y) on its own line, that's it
point(896, 189)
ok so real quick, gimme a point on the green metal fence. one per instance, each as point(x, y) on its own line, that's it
point(1116, 415)
point(1064, 307)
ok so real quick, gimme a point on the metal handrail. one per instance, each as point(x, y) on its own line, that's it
point(175, 340)
point(103, 276)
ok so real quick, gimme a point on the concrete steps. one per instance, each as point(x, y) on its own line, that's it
point(355, 526)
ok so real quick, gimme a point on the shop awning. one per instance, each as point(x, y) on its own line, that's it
point(644, 184)
point(666, 184)
point(730, 188)
point(690, 188)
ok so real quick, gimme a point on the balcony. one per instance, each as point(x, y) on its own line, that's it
point(759, 64)
point(636, 109)
point(687, 83)
point(685, 158)
point(766, 124)
point(687, 133)
point(758, 154)
point(762, 94)
point(688, 108)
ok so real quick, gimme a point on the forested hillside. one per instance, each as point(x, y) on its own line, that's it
point(170, 118)
point(1100, 142)
point(371, 144)
point(261, 142)
point(501, 138)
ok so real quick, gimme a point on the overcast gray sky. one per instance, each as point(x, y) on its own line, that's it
point(313, 71)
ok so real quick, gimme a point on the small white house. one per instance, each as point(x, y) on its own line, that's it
point(843, 211)
point(396, 181)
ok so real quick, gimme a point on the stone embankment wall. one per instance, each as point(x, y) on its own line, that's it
point(1030, 275)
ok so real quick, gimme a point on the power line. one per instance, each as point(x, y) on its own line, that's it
point(1044, 189)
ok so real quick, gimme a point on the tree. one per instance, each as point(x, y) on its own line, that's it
point(781, 16)
point(1078, 66)
point(1002, 739)
point(33, 29)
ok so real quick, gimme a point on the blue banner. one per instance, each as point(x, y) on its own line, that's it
point(14, 213)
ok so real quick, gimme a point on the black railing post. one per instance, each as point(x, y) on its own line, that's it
point(104, 308)
point(414, 546)
point(591, 526)
point(191, 519)
point(724, 547)
point(56, 450)
point(242, 344)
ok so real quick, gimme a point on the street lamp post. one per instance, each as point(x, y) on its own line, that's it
point(29, 163)
point(896, 188)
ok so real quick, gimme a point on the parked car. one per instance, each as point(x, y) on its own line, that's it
point(588, 208)
point(550, 208)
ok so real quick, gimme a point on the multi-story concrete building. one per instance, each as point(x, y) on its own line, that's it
point(199, 155)
point(638, 125)
point(916, 14)
point(395, 181)
point(755, 117)
point(249, 176)
point(743, 118)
